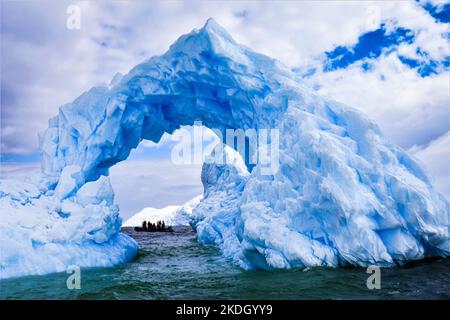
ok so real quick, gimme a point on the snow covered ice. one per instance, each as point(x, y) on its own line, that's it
point(171, 215)
point(40, 234)
point(343, 194)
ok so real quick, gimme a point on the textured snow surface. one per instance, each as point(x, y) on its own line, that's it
point(171, 215)
point(343, 194)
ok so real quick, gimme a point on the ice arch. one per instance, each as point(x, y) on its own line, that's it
point(205, 76)
point(342, 195)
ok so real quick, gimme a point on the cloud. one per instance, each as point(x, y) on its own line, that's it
point(153, 183)
point(20, 171)
point(435, 157)
point(404, 86)
point(44, 65)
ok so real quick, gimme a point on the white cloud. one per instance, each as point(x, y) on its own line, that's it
point(436, 158)
point(153, 183)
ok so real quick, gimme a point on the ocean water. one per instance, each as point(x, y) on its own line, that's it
point(175, 266)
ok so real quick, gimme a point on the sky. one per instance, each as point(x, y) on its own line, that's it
point(388, 59)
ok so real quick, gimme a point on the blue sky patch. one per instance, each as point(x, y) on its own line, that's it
point(366, 66)
point(424, 69)
point(440, 12)
point(425, 66)
point(369, 45)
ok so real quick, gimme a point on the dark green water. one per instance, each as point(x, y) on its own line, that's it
point(175, 266)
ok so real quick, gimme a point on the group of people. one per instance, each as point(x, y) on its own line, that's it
point(159, 226)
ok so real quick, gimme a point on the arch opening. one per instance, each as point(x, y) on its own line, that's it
point(167, 173)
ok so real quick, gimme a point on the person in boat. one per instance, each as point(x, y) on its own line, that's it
point(144, 225)
point(163, 226)
point(158, 226)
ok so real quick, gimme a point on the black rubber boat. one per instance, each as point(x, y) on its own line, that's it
point(140, 229)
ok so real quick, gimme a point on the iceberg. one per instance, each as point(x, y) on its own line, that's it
point(40, 234)
point(171, 215)
point(342, 195)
